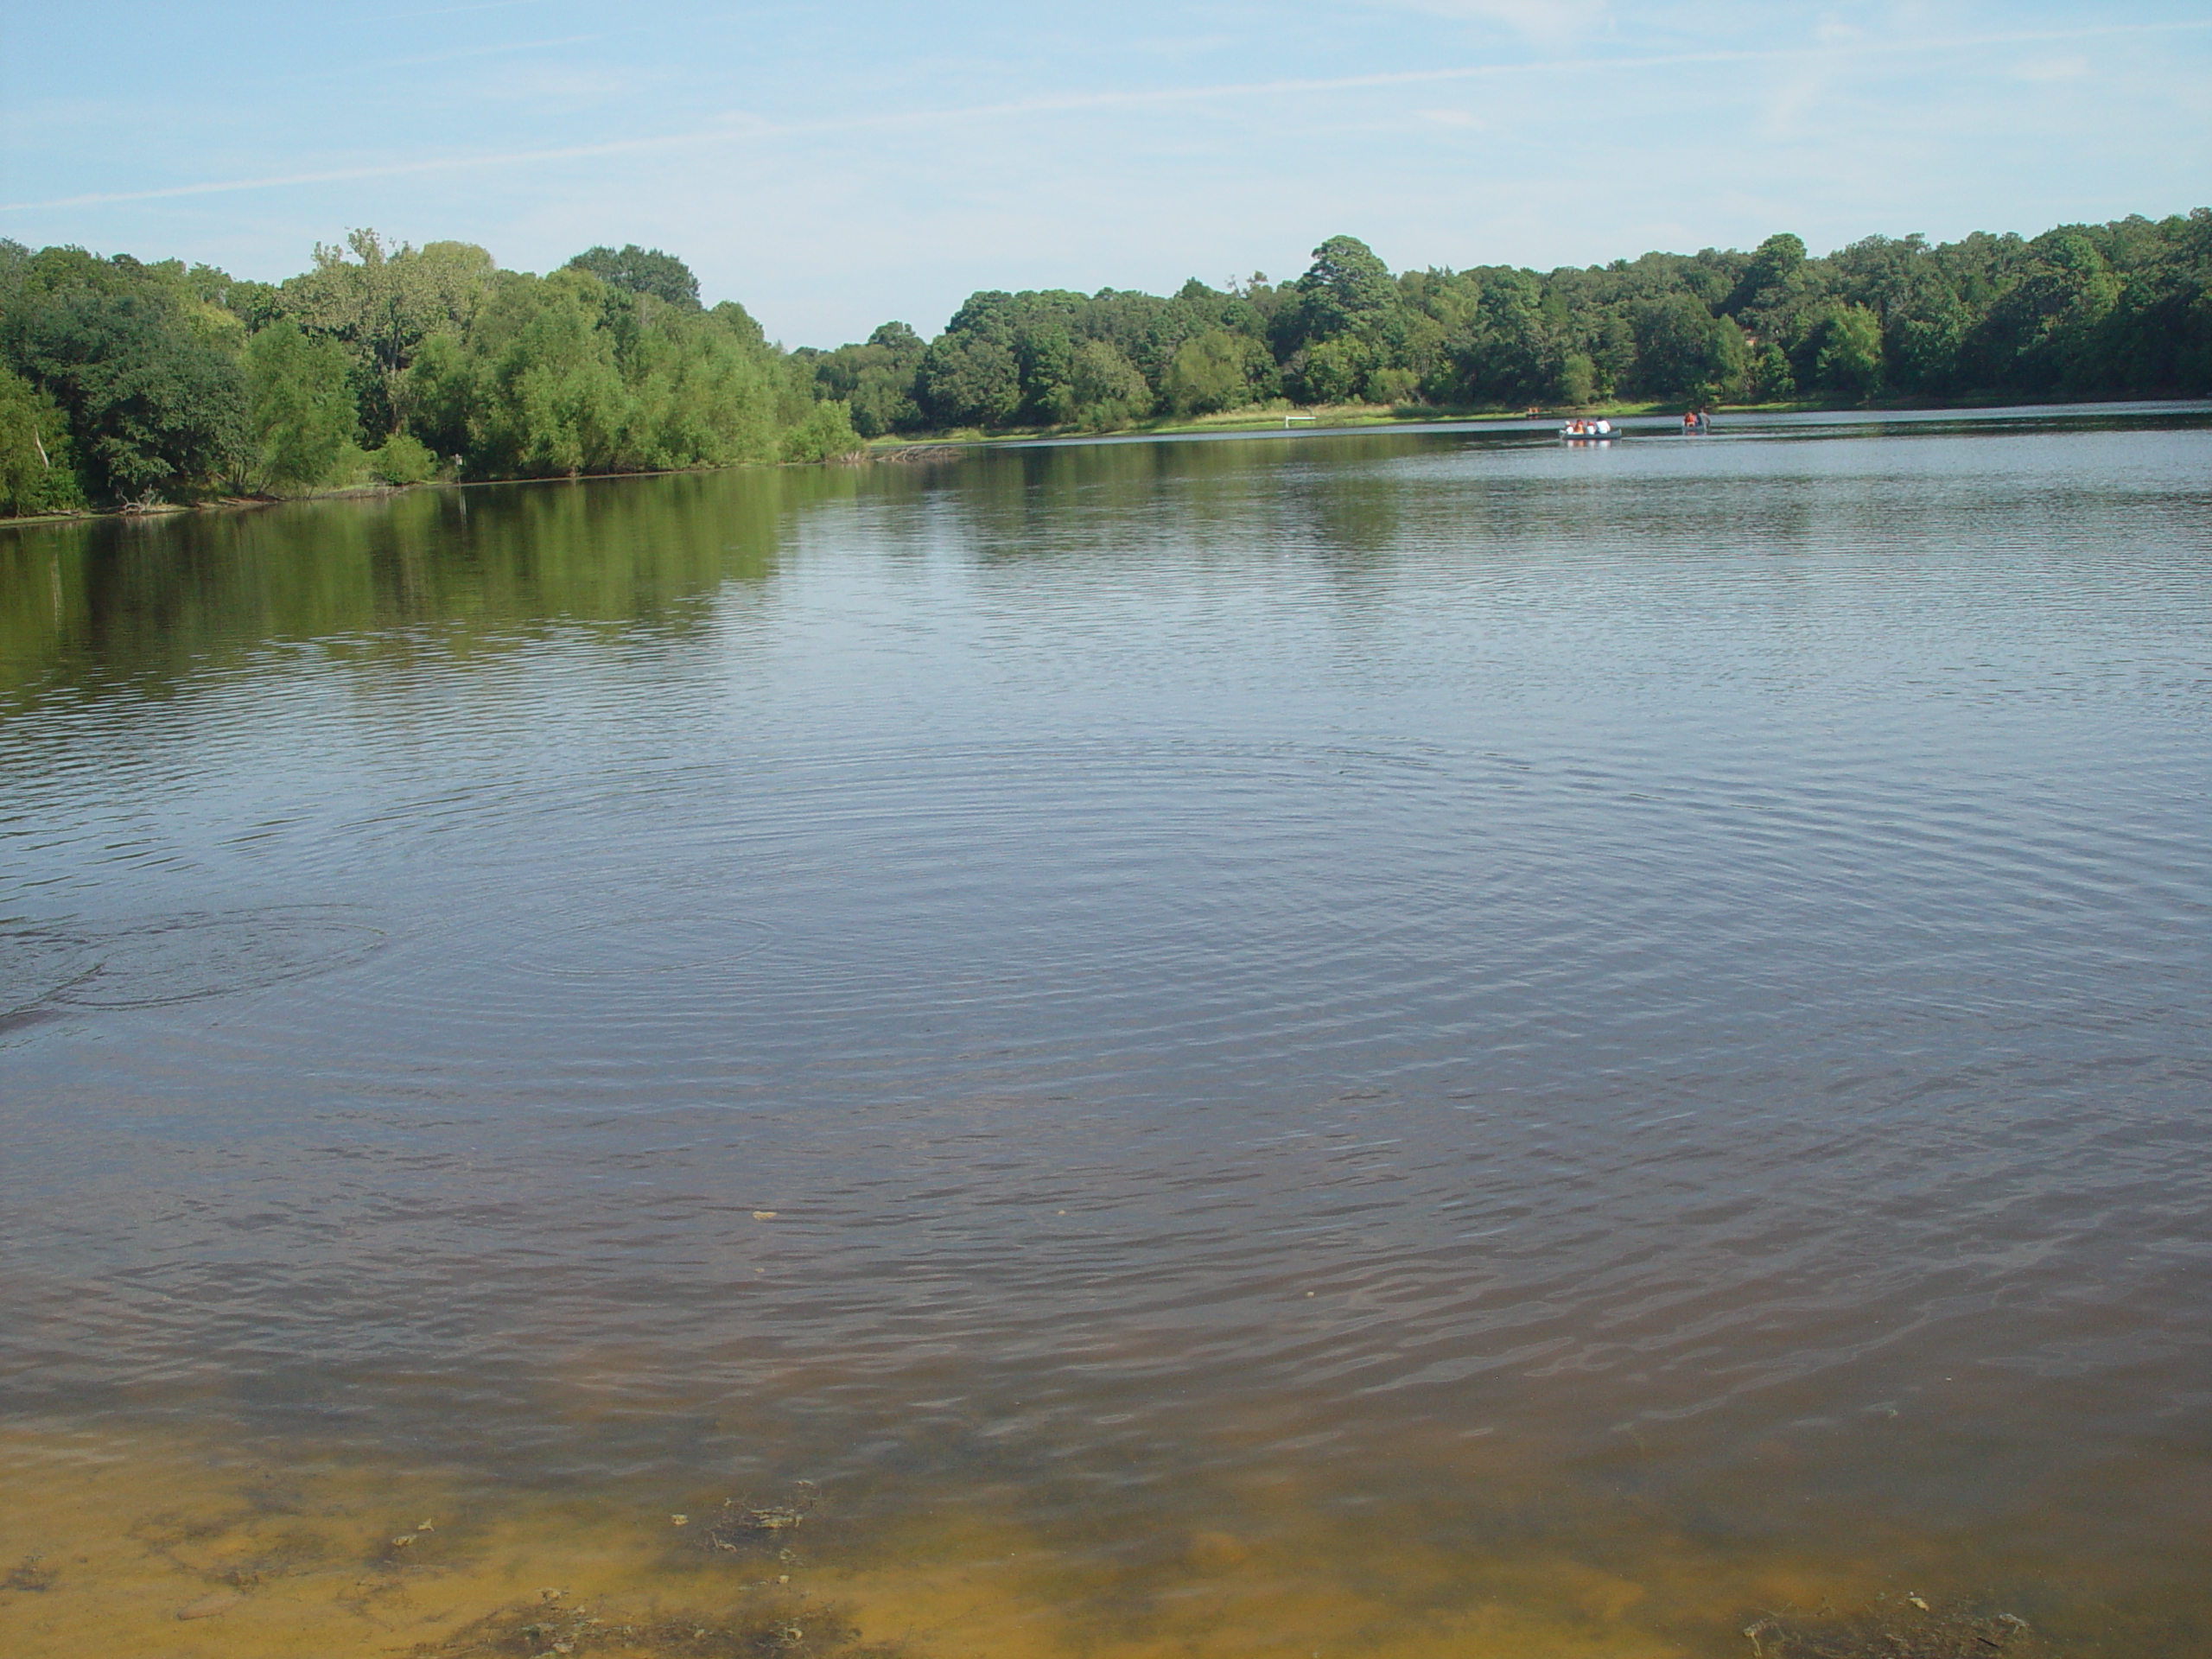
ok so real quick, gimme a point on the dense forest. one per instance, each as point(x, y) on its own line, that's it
point(2122, 309)
point(128, 384)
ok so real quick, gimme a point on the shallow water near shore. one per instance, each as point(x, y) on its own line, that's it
point(1408, 1044)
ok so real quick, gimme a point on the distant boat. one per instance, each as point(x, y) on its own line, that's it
point(1589, 432)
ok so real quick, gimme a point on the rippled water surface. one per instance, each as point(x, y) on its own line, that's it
point(1405, 1043)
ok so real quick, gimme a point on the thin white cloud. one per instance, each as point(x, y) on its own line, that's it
point(1548, 24)
point(739, 125)
point(380, 170)
point(2072, 67)
point(1789, 105)
point(545, 85)
point(1180, 48)
point(447, 11)
point(480, 52)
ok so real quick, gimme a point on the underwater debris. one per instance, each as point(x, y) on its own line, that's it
point(1910, 1627)
point(213, 1606)
point(740, 1523)
point(777, 1624)
point(29, 1576)
point(401, 1546)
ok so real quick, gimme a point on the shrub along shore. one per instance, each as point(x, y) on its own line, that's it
point(132, 386)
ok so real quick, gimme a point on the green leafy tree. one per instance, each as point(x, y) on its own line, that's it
point(152, 409)
point(1683, 350)
point(1043, 355)
point(438, 392)
point(642, 270)
point(737, 321)
point(2158, 336)
point(1346, 291)
point(882, 393)
point(1772, 382)
point(874, 379)
point(1847, 350)
point(1390, 383)
point(1217, 369)
point(383, 303)
point(969, 376)
point(1146, 329)
point(1330, 371)
point(1107, 389)
point(702, 393)
point(547, 399)
point(35, 474)
point(1774, 271)
point(2045, 332)
point(1921, 336)
point(403, 460)
point(825, 434)
point(1505, 347)
point(302, 408)
point(1578, 379)
point(561, 375)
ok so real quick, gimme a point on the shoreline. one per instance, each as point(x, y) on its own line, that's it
point(1328, 417)
point(910, 448)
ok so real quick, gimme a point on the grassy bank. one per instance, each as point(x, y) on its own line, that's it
point(1277, 415)
point(1282, 415)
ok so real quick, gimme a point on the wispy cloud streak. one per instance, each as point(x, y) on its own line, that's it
point(447, 11)
point(740, 126)
point(379, 170)
point(500, 49)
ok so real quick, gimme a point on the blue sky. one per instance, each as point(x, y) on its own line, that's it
point(834, 167)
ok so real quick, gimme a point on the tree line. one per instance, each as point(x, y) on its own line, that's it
point(123, 382)
point(2123, 309)
point(127, 384)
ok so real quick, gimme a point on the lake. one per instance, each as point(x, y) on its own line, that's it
point(1412, 1043)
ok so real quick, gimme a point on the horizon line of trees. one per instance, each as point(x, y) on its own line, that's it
point(128, 383)
point(132, 384)
point(2122, 309)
